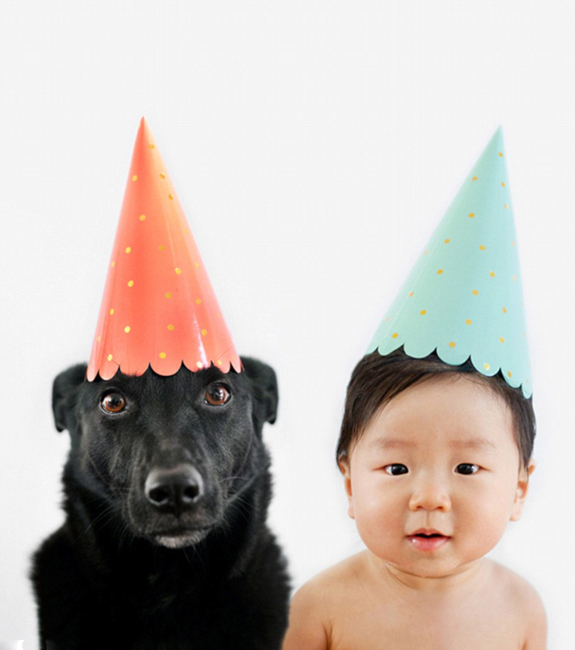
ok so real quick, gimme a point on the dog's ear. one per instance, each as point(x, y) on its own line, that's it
point(63, 392)
point(265, 388)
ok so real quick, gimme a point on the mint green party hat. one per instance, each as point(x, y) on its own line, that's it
point(464, 296)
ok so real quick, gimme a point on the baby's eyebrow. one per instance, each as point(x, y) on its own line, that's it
point(465, 443)
point(474, 443)
point(392, 443)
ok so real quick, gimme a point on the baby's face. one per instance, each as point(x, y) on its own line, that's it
point(436, 476)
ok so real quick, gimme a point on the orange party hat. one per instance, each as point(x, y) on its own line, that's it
point(159, 308)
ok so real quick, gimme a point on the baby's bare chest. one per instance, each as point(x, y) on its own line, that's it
point(485, 626)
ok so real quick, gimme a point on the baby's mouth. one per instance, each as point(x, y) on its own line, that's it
point(428, 540)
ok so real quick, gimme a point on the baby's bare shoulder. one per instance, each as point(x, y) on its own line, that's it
point(527, 605)
point(336, 581)
point(515, 586)
point(317, 603)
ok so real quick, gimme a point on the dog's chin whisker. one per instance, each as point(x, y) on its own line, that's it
point(182, 540)
point(240, 494)
point(230, 479)
point(238, 504)
point(170, 542)
point(104, 518)
point(126, 533)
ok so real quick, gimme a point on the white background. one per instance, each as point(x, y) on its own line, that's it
point(314, 146)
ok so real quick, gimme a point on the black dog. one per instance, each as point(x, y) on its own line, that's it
point(165, 545)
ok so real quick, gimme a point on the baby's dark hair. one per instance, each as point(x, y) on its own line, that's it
point(377, 379)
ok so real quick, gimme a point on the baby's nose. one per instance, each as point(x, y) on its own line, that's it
point(430, 493)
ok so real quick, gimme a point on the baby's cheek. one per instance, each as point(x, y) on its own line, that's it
point(377, 521)
point(483, 528)
point(371, 503)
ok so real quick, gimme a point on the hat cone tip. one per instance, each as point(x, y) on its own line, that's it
point(497, 138)
point(144, 126)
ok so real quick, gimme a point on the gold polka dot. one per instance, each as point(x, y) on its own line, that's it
point(506, 206)
point(439, 271)
point(394, 335)
point(110, 357)
point(198, 301)
point(481, 247)
point(219, 362)
point(500, 155)
point(186, 231)
point(171, 197)
point(128, 250)
point(452, 344)
point(475, 292)
point(142, 217)
point(152, 146)
point(410, 294)
point(471, 215)
point(501, 339)
point(423, 312)
point(502, 184)
point(474, 178)
point(99, 339)
point(504, 310)
point(171, 328)
point(219, 315)
point(204, 332)
point(178, 271)
point(468, 321)
point(134, 178)
point(197, 264)
point(509, 373)
point(447, 241)
point(486, 366)
point(161, 247)
point(111, 312)
point(168, 295)
point(162, 176)
point(127, 329)
point(514, 278)
point(131, 283)
point(113, 264)
point(162, 355)
point(492, 274)
point(199, 364)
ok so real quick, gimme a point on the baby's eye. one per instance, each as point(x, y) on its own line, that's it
point(396, 469)
point(467, 468)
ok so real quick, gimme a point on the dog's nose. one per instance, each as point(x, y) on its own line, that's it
point(175, 489)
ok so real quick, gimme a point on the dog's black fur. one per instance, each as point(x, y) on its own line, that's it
point(167, 570)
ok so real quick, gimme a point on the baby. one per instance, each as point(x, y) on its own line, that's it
point(435, 450)
point(436, 460)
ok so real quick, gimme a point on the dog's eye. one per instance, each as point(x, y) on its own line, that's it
point(113, 403)
point(217, 395)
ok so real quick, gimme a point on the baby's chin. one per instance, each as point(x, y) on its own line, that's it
point(429, 573)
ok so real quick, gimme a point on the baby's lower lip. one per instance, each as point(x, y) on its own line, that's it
point(428, 543)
